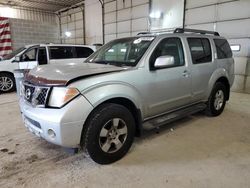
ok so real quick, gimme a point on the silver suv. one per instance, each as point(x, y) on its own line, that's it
point(127, 85)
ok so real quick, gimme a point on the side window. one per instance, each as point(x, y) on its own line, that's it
point(223, 49)
point(83, 52)
point(169, 47)
point(61, 52)
point(200, 49)
point(29, 55)
point(42, 56)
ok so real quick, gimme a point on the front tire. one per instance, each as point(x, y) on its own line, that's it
point(217, 100)
point(7, 83)
point(109, 133)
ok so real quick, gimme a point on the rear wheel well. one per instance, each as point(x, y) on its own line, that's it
point(136, 113)
point(225, 82)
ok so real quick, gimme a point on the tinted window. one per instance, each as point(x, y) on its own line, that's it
point(61, 52)
point(169, 47)
point(200, 50)
point(223, 49)
point(83, 52)
point(29, 55)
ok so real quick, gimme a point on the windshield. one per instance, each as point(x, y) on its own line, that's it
point(13, 54)
point(120, 52)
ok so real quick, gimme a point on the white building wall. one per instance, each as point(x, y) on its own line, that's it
point(28, 14)
point(123, 18)
point(25, 32)
point(80, 20)
point(231, 18)
point(31, 26)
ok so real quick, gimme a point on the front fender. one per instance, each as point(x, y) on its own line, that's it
point(102, 92)
point(221, 72)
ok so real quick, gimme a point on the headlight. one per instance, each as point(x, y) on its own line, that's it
point(61, 95)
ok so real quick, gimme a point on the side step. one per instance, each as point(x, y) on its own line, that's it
point(172, 116)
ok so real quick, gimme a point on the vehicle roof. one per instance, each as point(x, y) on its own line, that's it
point(54, 44)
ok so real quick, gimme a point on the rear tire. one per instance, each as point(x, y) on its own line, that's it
point(217, 100)
point(7, 83)
point(109, 133)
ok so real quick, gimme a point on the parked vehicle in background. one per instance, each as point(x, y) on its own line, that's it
point(30, 56)
point(127, 85)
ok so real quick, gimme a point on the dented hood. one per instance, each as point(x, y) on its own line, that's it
point(64, 74)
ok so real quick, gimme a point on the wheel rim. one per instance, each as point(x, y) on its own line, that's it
point(113, 135)
point(219, 100)
point(6, 83)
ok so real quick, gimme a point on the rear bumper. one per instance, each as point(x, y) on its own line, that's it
point(66, 123)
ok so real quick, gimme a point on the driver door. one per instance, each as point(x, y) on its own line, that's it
point(169, 87)
point(28, 60)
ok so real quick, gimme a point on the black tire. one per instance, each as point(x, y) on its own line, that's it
point(101, 117)
point(211, 109)
point(11, 80)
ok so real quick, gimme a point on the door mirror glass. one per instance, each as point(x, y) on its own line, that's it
point(164, 61)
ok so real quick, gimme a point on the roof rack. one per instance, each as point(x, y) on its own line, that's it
point(144, 33)
point(181, 30)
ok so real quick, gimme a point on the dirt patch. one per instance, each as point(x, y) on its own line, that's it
point(32, 158)
point(4, 150)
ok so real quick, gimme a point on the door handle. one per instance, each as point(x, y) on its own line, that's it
point(185, 73)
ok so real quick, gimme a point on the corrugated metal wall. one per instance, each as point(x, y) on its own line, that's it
point(124, 18)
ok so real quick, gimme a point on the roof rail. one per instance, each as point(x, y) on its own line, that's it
point(181, 30)
point(144, 33)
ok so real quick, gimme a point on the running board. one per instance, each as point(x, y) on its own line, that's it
point(172, 116)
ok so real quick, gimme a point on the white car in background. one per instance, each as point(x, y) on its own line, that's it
point(30, 56)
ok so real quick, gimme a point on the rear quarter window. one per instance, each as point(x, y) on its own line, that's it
point(223, 49)
point(83, 52)
point(61, 52)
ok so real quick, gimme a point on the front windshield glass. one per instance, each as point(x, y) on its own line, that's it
point(122, 52)
point(13, 54)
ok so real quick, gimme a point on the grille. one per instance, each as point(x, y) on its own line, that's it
point(35, 95)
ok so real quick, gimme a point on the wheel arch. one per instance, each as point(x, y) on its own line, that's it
point(7, 72)
point(225, 82)
point(136, 113)
point(220, 75)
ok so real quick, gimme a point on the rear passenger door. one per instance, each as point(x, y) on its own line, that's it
point(202, 66)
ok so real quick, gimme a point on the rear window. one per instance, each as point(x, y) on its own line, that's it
point(83, 52)
point(200, 50)
point(223, 49)
point(61, 52)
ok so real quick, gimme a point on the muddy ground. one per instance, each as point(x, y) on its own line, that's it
point(197, 151)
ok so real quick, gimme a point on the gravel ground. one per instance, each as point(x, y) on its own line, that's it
point(197, 151)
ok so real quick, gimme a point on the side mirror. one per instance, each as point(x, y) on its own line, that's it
point(164, 61)
point(17, 59)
